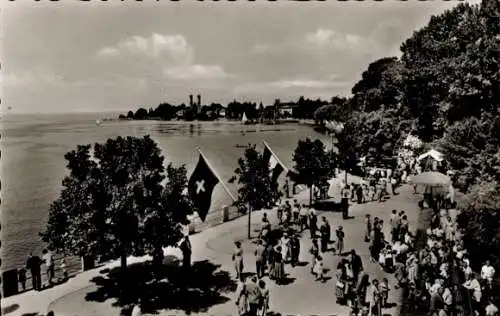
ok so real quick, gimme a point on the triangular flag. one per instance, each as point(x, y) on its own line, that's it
point(201, 186)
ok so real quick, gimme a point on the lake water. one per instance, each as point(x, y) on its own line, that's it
point(33, 164)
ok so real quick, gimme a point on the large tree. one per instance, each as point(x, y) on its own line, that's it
point(479, 222)
point(113, 202)
point(312, 163)
point(256, 190)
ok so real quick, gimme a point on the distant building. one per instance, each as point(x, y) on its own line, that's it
point(286, 109)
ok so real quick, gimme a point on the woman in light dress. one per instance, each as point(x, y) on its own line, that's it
point(241, 301)
point(285, 247)
point(238, 260)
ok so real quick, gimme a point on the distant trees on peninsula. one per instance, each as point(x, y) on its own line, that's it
point(303, 108)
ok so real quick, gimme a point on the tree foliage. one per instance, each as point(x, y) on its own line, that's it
point(113, 203)
point(312, 162)
point(255, 188)
point(480, 222)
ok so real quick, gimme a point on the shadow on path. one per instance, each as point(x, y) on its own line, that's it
point(166, 287)
point(10, 309)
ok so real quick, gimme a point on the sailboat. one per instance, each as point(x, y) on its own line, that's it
point(244, 119)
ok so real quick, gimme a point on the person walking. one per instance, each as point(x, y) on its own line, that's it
point(345, 202)
point(260, 263)
point(318, 268)
point(264, 305)
point(340, 240)
point(356, 264)
point(395, 222)
point(242, 300)
point(33, 265)
point(303, 213)
point(375, 299)
point(295, 250)
point(368, 227)
point(362, 288)
point(186, 253)
point(279, 212)
point(48, 259)
point(314, 251)
point(279, 266)
point(253, 296)
point(313, 222)
point(238, 260)
point(359, 194)
point(325, 234)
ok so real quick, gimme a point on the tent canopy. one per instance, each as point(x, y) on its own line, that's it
point(434, 154)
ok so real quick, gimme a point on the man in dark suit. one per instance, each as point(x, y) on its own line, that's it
point(186, 253)
point(33, 265)
point(356, 264)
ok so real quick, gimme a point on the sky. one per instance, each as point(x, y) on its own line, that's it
point(72, 56)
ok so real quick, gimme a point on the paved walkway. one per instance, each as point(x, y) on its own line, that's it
point(303, 296)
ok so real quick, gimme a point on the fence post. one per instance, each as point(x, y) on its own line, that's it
point(225, 213)
point(88, 262)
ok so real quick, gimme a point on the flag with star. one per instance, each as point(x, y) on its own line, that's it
point(201, 186)
point(275, 167)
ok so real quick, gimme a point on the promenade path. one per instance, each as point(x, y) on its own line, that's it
point(303, 296)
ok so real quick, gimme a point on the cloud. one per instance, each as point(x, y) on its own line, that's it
point(108, 52)
point(196, 72)
point(289, 84)
point(157, 46)
point(286, 84)
point(332, 39)
point(34, 78)
point(161, 56)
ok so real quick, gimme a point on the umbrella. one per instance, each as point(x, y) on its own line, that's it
point(431, 178)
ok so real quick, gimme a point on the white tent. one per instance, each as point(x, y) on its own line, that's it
point(412, 142)
point(434, 154)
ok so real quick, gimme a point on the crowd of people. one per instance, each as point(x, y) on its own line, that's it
point(273, 252)
point(438, 275)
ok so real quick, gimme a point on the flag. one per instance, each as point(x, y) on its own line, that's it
point(275, 167)
point(201, 186)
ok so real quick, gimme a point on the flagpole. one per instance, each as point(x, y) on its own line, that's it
point(216, 175)
point(275, 156)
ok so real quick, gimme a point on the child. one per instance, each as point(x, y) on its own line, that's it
point(318, 268)
point(368, 227)
point(63, 269)
point(22, 278)
point(384, 291)
point(340, 240)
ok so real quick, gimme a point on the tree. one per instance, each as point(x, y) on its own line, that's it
point(141, 114)
point(379, 86)
point(480, 222)
point(312, 163)
point(256, 190)
point(114, 205)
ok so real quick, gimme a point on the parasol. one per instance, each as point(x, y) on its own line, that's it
point(431, 178)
